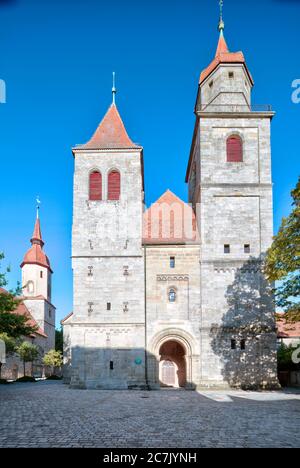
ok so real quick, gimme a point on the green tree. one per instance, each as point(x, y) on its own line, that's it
point(13, 324)
point(283, 262)
point(53, 359)
point(59, 340)
point(10, 346)
point(28, 353)
point(285, 358)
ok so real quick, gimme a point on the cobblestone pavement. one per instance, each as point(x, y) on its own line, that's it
point(49, 414)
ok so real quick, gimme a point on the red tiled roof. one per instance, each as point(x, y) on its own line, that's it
point(169, 221)
point(35, 255)
point(287, 330)
point(37, 233)
point(22, 310)
point(110, 134)
point(223, 55)
point(222, 45)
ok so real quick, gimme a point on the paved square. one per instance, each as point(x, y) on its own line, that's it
point(49, 414)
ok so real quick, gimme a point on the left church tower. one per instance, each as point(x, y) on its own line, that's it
point(37, 286)
point(105, 335)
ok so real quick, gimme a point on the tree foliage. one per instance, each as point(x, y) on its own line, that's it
point(283, 261)
point(10, 346)
point(53, 359)
point(13, 325)
point(285, 358)
point(28, 352)
point(59, 340)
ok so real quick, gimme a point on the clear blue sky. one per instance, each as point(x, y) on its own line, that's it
point(56, 58)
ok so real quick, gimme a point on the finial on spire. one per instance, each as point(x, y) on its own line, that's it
point(114, 89)
point(221, 26)
point(38, 203)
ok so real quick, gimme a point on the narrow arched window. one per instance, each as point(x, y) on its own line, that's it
point(95, 189)
point(234, 149)
point(172, 295)
point(114, 185)
point(30, 287)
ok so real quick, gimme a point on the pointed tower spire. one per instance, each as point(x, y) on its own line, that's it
point(114, 89)
point(37, 233)
point(223, 54)
point(35, 255)
point(222, 46)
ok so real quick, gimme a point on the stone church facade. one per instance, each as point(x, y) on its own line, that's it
point(174, 295)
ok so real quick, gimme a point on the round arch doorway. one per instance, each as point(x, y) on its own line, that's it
point(172, 364)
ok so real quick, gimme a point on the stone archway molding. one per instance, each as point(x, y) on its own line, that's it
point(175, 334)
point(184, 339)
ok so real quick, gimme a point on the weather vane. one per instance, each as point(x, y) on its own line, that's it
point(38, 203)
point(221, 22)
point(114, 89)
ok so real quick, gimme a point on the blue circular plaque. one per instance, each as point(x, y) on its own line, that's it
point(138, 361)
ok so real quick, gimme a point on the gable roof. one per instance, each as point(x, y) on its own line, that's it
point(64, 320)
point(170, 221)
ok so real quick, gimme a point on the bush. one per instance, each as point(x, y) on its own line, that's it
point(26, 379)
point(54, 377)
point(284, 358)
point(4, 382)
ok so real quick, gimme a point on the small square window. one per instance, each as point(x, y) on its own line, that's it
point(233, 344)
point(108, 306)
point(211, 84)
point(111, 365)
point(227, 249)
point(231, 75)
point(243, 345)
point(172, 262)
point(41, 274)
point(247, 248)
point(50, 313)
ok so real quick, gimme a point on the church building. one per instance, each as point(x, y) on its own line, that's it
point(174, 295)
point(36, 306)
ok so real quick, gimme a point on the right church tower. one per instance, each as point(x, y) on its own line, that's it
point(230, 188)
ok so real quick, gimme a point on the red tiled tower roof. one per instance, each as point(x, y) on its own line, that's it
point(223, 55)
point(169, 221)
point(35, 255)
point(110, 134)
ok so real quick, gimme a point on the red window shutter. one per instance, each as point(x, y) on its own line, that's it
point(95, 186)
point(234, 149)
point(114, 184)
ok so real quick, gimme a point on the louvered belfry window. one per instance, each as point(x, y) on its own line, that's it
point(234, 149)
point(114, 185)
point(95, 186)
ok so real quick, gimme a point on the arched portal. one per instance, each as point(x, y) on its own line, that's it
point(172, 365)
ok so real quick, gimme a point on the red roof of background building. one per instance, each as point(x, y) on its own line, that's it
point(111, 133)
point(223, 55)
point(287, 330)
point(22, 310)
point(177, 224)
